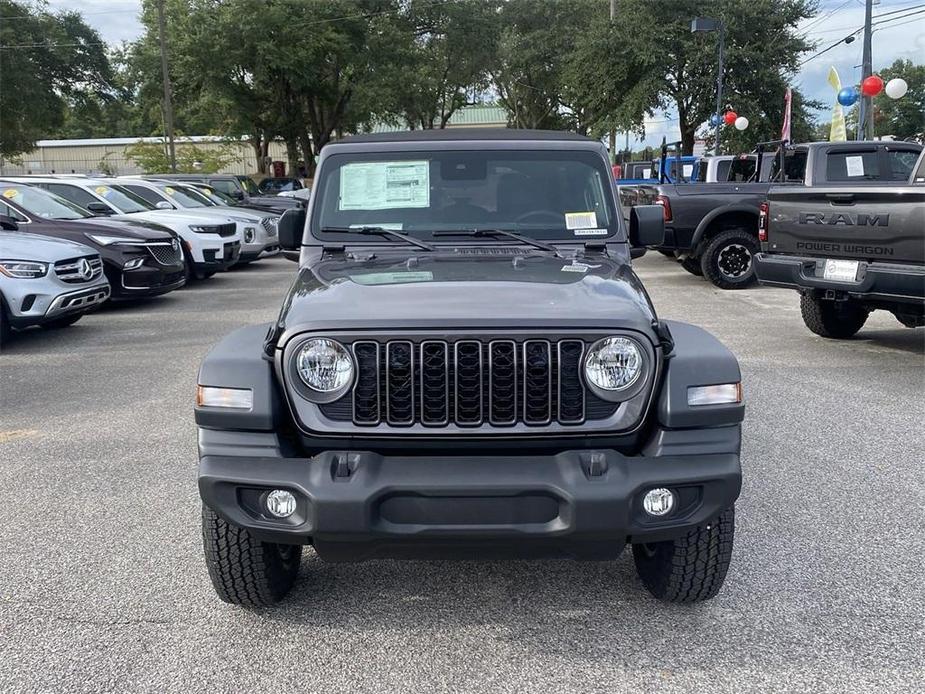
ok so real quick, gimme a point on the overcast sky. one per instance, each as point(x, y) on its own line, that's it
point(117, 20)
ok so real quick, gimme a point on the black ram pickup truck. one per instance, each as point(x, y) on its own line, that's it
point(712, 228)
point(848, 250)
point(467, 365)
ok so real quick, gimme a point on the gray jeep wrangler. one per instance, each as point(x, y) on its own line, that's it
point(467, 366)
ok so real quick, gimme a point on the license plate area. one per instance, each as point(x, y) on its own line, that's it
point(840, 270)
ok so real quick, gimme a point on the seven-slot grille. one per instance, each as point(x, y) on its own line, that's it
point(165, 253)
point(468, 382)
point(79, 270)
point(269, 225)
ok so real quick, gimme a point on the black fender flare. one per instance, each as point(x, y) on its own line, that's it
point(713, 215)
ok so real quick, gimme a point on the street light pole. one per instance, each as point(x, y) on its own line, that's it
point(168, 101)
point(866, 109)
point(704, 24)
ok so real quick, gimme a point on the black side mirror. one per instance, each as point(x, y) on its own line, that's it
point(100, 208)
point(290, 229)
point(647, 225)
point(238, 195)
point(8, 223)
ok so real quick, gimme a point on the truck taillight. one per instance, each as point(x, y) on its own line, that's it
point(666, 206)
point(763, 210)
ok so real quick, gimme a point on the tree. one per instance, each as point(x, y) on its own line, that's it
point(45, 61)
point(762, 47)
point(450, 48)
point(152, 157)
point(765, 120)
point(902, 118)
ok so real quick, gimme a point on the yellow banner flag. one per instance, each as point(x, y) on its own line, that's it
point(838, 132)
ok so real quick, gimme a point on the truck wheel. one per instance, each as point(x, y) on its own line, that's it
point(691, 568)
point(692, 265)
point(244, 570)
point(5, 328)
point(61, 322)
point(910, 320)
point(727, 260)
point(835, 319)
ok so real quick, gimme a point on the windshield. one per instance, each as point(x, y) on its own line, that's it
point(123, 200)
point(248, 184)
point(541, 194)
point(214, 196)
point(184, 197)
point(41, 203)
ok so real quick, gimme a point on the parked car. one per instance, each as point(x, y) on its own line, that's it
point(848, 249)
point(46, 282)
point(684, 169)
point(274, 185)
point(713, 229)
point(223, 234)
point(241, 188)
point(110, 197)
point(140, 259)
point(466, 362)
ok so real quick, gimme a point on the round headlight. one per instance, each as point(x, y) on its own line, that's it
point(613, 363)
point(325, 365)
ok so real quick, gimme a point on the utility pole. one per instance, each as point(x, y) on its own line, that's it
point(613, 131)
point(866, 112)
point(168, 101)
point(703, 24)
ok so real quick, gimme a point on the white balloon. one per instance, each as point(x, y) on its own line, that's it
point(896, 88)
point(741, 123)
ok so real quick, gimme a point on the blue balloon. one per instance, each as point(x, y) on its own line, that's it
point(848, 96)
point(715, 120)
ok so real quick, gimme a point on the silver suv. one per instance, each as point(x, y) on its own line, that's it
point(47, 282)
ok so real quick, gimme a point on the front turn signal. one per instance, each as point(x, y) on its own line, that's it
point(233, 398)
point(722, 394)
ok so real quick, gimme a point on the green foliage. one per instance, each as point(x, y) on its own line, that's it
point(46, 60)
point(902, 118)
point(766, 117)
point(153, 157)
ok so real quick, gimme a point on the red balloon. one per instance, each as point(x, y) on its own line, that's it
point(872, 86)
point(730, 117)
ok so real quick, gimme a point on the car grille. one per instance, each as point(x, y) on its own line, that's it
point(228, 229)
point(75, 271)
point(269, 225)
point(165, 253)
point(469, 383)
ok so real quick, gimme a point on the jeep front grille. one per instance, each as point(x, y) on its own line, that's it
point(468, 383)
point(79, 270)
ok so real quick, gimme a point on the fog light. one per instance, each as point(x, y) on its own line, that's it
point(658, 502)
point(280, 503)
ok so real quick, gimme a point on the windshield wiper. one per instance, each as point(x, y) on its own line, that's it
point(498, 232)
point(368, 231)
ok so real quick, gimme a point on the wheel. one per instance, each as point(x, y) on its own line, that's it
point(836, 319)
point(692, 265)
point(667, 254)
point(244, 570)
point(910, 320)
point(691, 568)
point(727, 259)
point(5, 328)
point(62, 322)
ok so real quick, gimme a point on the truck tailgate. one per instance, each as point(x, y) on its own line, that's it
point(882, 223)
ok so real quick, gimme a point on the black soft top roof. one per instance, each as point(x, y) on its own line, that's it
point(465, 134)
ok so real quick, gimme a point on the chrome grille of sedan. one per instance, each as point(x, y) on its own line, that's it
point(79, 270)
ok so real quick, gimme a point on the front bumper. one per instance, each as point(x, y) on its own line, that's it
point(354, 504)
point(878, 281)
point(43, 307)
point(220, 259)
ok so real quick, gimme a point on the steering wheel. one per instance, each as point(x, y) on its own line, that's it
point(540, 216)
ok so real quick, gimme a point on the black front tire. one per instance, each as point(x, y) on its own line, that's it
point(244, 570)
point(727, 261)
point(691, 568)
point(837, 320)
point(691, 264)
point(5, 328)
point(59, 323)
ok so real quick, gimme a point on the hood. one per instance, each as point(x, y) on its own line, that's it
point(244, 213)
point(172, 217)
point(18, 245)
point(141, 228)
point(77, 230)
point(485, 288)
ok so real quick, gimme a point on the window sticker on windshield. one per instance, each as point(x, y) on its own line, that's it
point(855, 166)
point(393, 277)
point(384, 185)
point(10, 193)
point(580, 220)
point(687, 170)
point(101, 190)
point(579, 267)
point(394, 226)
point(170, 191)
point(590, 232)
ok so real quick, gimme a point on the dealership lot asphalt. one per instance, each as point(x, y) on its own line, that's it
point(103, 587)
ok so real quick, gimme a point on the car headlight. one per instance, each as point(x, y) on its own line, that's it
point(203, 229)
point(104, 240)
point(23, 269)
point(325, 367)
point(614, 363)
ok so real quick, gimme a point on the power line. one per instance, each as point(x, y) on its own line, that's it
point(860, 29)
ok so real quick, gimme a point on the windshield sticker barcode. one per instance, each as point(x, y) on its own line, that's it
point(580, 220)
point(590, 232)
